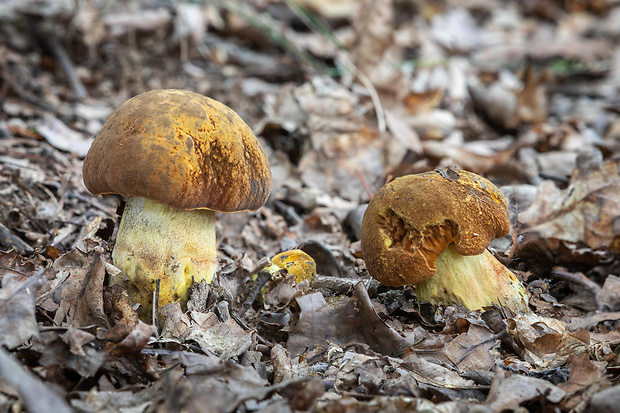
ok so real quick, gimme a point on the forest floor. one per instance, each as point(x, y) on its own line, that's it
point(344, 97)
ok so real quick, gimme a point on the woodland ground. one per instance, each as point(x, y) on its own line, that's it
point(344, 95)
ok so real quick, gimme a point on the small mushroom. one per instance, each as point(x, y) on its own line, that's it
point(296, 263)
point(432, 230)
point(178, 156)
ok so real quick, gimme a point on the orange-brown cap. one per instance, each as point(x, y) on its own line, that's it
point(412, 220)
point(181, 149)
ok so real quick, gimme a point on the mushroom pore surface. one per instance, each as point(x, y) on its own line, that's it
point(412, 219)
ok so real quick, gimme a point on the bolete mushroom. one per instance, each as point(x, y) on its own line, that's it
point(178, 156)
point(432, 230)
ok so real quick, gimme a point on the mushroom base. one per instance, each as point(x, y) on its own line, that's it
point(473, 281)
point(158, 242)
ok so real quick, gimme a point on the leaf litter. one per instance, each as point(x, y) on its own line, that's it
point(343, 98)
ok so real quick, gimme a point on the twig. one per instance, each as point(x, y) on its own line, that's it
point(156, 303)
point(360, 174)
point(36, 395)
point(8, 238)
point(63, 59)
point(245, 327)
point(576, 278)
point(37, 101)
point(372, 91)
point(262, 277)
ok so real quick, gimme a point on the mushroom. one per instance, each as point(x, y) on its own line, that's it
point(296, 263)
point(432, 230)
point(178, 156)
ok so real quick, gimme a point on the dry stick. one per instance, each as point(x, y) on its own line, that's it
point(67, 66)
point(372, 91)
point(37, 396)
point(8, 238)
point(360, 174)
point(39, 102)
point(578, 278)
point(262, 277)
point(156, 303)
point(245, 327)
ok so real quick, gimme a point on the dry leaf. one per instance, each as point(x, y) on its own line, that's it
point(345, 321)
point(587, 211)
point(62, 137)
point(429, 371)
point(373, 24)
point(66, 352)
point(134, 342)
point(509, 390)
point(609, 296)
point(472, 350)
point(76, 339)
point(81, 304)
point(585, 379)
point(332, 9)
point(546, 342)
point(225, 340)
point(17, 314)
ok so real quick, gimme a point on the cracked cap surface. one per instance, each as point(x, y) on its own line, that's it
point(412, 219)
point(181, 149)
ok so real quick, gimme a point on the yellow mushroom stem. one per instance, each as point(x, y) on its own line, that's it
point(473, 281)
point(155, 241)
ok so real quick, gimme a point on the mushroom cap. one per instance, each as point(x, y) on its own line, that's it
point(181, 149)
point(412, 219)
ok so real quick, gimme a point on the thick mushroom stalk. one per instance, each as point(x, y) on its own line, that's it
point(159, 242)
point(458, 281)
point(432, 230)
point(178, 156)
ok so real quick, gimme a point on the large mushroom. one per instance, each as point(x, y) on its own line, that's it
point(432, 230)
point(178, 156)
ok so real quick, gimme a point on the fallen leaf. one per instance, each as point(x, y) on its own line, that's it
point(17, 313)
point(509, 391)
point(359, 369)
point(76, 339)
point(345, 321)
point(456, 30)
point(605, 401)
point(334, 9)
point(473, 350)
point(60, 352)
point(81, 304)
point(134, 342)
point(62, 137)
point(431, 372)
point(609, 296)
point(587, 211)
point(218, 385)
point(176, 324)
point(225, 340)
point(546, 342)
point(585, 379)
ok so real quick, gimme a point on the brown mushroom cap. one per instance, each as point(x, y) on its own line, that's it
point(180, 149)
point(412, 220)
